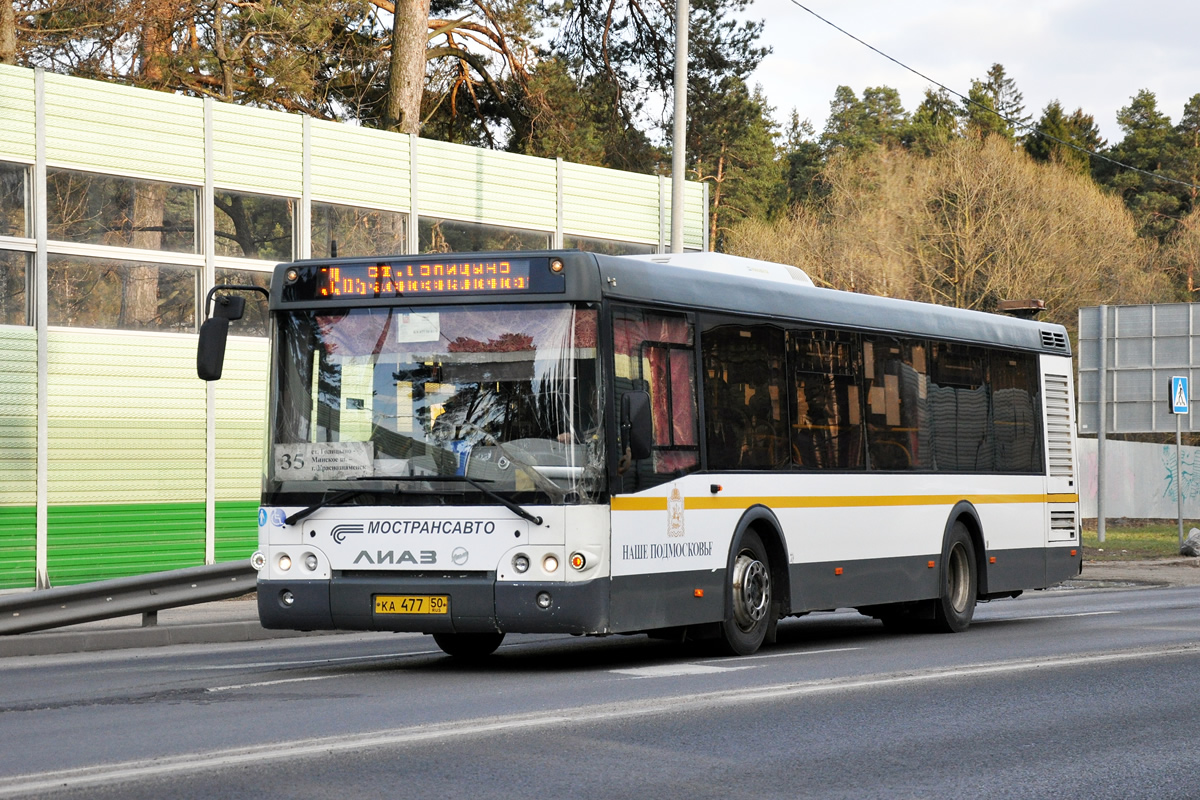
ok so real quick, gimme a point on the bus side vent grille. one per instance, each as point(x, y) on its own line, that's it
point(1062, 526)
point(1062, 521)
point(1054, 340)
point(1058, 426)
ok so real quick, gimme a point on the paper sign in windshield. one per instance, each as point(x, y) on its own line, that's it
point(412, 327)
point(323, 461)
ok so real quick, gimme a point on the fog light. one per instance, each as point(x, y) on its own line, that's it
point(543, 600)
point(310, 562)
point(258, 561)
point(284, 562)
point(550, 564)
point(521, 562)
point(287, 598)
point(578, 561)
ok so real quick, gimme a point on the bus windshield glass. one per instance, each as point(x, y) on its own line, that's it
point(505, 396)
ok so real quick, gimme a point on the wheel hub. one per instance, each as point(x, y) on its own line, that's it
point(751, 591)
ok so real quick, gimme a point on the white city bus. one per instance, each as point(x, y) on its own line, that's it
point(692, 446)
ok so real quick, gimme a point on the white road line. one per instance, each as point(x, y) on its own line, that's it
point(237, 686)
point(1051, 616)
point(677, 670)
point(103, 774)
point(797, 653)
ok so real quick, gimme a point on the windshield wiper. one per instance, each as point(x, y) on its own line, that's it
point(349, 493)
point(504, 501)
point(329, 500)
point(476, 482)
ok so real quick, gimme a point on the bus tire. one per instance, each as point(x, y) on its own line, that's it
point(955, 605)
point(749, 605)
point(468, 645)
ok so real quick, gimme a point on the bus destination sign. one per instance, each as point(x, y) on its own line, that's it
point(428, 278)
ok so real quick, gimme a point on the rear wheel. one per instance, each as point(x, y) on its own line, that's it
point(468, 645)
point(956, 606)
point(748, 613)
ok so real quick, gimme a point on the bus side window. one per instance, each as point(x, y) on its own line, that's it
point(654, 351)
point(961, 434)
point(745, 397)
point(895, 379)
point(1016, 411)
point(826, 415)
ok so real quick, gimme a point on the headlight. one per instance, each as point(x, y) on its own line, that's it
point(284, 563)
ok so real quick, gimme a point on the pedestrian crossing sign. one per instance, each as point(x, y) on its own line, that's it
point(1179, 395)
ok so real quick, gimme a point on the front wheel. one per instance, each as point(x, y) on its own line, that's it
point(955, 606)
point(468, 645)
point(749, 608)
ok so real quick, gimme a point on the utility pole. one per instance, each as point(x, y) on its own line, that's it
point(680, 133)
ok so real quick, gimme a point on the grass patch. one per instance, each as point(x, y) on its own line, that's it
point(1133, 542)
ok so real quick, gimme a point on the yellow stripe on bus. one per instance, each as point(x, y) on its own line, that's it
point(712, 503)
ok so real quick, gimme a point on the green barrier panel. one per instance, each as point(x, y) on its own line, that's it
point(91, 543)
point(236, 530)
point(18, 547)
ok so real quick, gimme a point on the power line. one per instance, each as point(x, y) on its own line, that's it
point(1015, 123)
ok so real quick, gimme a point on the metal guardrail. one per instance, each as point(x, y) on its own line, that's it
point(142, 594)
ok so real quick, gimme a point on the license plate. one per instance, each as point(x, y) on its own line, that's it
point(412, 604)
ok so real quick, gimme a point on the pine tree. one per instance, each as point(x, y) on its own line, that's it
point(1151, 144)
point(854, 125)
point(933, 124)
point(802, 162)
point(731, 146)
point(1188, 131)
point(994, 107)
point(1055, 133)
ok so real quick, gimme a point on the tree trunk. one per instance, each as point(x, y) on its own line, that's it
point(8, 33)
point(139, 286)
point(406, 76)
point(154, 51)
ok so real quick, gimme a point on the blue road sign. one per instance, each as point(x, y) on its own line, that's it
point(1179, 395)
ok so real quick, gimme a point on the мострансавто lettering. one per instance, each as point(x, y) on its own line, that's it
point(449, 527)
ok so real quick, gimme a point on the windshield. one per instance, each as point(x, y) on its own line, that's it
point(503, 395)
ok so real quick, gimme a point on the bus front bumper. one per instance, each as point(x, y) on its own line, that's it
point(476, 605)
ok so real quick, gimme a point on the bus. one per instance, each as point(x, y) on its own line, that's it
point(690, 446)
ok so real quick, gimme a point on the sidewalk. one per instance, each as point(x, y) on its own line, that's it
point(222, 621)
point(237, 620)
point(1181, 571)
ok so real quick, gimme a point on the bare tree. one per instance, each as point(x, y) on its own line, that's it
point(975, 223)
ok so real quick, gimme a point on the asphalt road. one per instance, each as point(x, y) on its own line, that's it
point(1079, 693)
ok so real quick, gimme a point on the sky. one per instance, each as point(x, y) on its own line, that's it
point(1089, 54)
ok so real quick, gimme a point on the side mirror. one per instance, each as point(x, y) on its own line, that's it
point(210, 353)
point(636, 428)
point(214, 333)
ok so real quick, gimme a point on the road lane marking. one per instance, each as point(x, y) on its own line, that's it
point(676, 670)
point(298, 749)
point(797, 653)
point(1048, 616)
point(713, 667)
point(236, 686)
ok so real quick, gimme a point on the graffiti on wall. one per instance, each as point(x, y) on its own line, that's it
point(1173, 481)
point(1141, 480)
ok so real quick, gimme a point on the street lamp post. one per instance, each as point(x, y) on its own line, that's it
point(680, 132)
